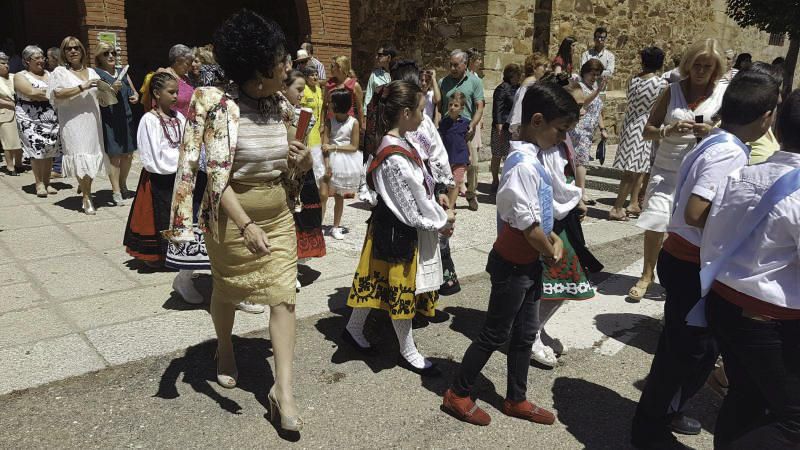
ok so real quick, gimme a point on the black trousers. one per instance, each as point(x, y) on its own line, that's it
point(513, 314)
point(684, 358)
point(762, 362)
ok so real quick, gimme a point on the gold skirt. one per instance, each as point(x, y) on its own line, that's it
point(238, 274)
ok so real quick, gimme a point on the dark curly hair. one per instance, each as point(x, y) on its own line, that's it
point(246, 43)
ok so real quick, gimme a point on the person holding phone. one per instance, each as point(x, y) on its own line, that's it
point(672, 122)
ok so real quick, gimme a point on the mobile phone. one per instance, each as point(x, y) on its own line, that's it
point(698, 119)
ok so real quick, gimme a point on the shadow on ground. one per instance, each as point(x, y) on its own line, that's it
point(197, 368)
point(596, 416)
point(636, 330)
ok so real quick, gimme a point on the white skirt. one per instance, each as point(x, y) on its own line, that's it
point(346, 171)
point(658, 200)
point(319, 162)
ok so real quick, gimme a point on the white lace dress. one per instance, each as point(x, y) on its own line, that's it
point(81, 126)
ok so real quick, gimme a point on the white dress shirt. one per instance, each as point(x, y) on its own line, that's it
point(518, 194)
point(767, 266)
point(703, 179)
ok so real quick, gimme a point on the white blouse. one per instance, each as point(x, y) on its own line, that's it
point(155, 151)
point(767, 265)
point(428, 141)
point(401, 184)
point(566, 196)
point(518, 195)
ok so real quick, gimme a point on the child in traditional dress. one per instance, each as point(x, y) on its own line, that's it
point(344, 161)
point(750, 264)
point(454, 128)
point(400, 269)
point(159, 137)
point(686, 354)
point(525, 213)
point(308, 220)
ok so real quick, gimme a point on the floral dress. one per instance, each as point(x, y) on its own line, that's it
point(583, 132)
point(37, 122)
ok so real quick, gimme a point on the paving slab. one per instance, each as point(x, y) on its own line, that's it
point(77, 276)
point(103, 234)
point(42, 242)
point(19, 296)
point(21, 327)
point(21, 216)
point(47, 360)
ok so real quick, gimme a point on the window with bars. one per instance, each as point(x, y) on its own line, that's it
point(777, 39)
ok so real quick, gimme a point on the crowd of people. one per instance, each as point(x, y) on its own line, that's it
point(242, 145)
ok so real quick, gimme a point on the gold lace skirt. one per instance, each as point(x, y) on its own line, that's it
point(242, 276)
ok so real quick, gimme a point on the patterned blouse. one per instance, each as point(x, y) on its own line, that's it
point(213, 123)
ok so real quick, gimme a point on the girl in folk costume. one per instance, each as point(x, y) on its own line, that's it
point(308, 212)
point(344, 160)
point(400, 267)
point(159, 137)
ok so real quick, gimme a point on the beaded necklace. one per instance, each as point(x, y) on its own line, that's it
point(171, 128)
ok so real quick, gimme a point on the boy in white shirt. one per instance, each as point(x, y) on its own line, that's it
point(753, 307)
point(686, 354)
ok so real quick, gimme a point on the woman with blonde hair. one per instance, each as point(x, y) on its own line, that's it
point(683, 114)
point(211, 74)
point(119, 129)
point(342, 77)
point(73, 92)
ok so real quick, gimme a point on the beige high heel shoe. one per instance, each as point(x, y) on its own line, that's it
point(287, 423)
point(226, 381)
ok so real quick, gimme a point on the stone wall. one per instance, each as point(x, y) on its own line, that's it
point(424, 30)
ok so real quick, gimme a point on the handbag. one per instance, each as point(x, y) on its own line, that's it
point(600, 153)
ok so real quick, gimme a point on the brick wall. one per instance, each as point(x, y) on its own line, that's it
point(104, 15)
point(330, 22)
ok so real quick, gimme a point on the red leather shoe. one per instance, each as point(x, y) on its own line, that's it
point(463, 408)
point(528, 411)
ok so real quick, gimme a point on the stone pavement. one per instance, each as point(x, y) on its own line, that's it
point(75, 302)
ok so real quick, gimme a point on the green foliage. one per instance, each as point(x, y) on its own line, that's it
point(772, 16)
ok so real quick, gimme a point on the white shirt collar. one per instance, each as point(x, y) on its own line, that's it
point(524, 146)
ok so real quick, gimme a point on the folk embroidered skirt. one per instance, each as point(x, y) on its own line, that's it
point(148, 217)
point(390, 286)
point(239, 275)
point(568, 280)
point(308, 222)
point(191, 255)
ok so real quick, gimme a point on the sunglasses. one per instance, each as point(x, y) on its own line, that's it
point(383, 54)
point(110, 54)
point(70, 48)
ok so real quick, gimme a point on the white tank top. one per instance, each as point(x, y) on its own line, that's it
point(341, 131)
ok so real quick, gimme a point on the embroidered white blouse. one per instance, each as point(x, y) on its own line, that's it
point(155, 152)
point(401, 184)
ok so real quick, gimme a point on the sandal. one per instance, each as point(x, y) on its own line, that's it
point(639, 290)
point(622, 218)
point(634, 213)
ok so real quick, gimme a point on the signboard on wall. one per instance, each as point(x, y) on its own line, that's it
point(108, 37)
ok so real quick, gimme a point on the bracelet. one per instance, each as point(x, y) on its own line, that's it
point(80, 86)
point(244, 227)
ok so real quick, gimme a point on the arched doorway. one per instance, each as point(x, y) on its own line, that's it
point(154, 28)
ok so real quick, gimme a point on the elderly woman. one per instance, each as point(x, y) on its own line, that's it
point(73, 91)
point(9, 136)
point(119, 129)
point(36, 118)
point(592, 85)
point(683, 114)
point(249, 227)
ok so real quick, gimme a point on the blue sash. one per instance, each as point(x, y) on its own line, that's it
point(710, 141)
point(545, 188)
point(783, 187)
